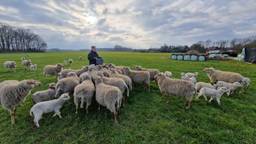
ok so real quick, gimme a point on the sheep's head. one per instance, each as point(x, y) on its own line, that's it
point(159, 76)
point(59, 67)
point(64, 97)
point(52, 86)
point(98, 80)
point(138, 67)
point(245, 82)
point(208, 70)
point(71, 74)
point(30, 83)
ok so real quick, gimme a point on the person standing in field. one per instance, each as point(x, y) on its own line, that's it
point(93, 55)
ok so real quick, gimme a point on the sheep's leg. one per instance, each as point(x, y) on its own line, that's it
point(205, 98)
point(76, 103)
point(87, 105)
point(57, 112)
point(210, 100)
point(115, 117)
point(37, 117)
point(12, 113)
point(82, 103)
point(218, 100)
point(99, 107)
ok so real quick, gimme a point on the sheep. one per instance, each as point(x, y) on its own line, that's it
point(64, 72)
point(245, 82)
point(118, 82)
point(231, 87)
point(84, 76)
point(189, 77)
point(126, 79)
point(218, 75)
point(48, 106)
point(33, 67)
point(138, 77)
point(26, 63)
point(52, 69)
point(168, 74)
point(152, 72)
point(212, 93)
point(13, 93)
point(200, 85)
point(108, 96)
point(10, 65)
point(176, 87)
point(84, 92)
point(67, 85)
point(44, 95)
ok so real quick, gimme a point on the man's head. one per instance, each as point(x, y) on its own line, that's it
point(93, 48)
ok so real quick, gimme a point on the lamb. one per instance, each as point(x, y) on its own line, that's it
point(118, 82)
point(52, 69)
point(48, 106)
point(168, 74)
point(218, 75)
point(44, 95)
point(152, 72)
point(138, 77)
point(212, 93)
point(245, 82)
point(108, 96)
point(67, 85)
point(84, 92)
point(189, 77)
point(10, 65)
point(231, 87)
point(176, 87)
point(13, 92)
point(200, 85)
point(33, 67)
point(26, 63)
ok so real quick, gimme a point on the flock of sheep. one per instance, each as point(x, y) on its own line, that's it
point(109, 85)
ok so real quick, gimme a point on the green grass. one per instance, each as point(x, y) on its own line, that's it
point(146, 118)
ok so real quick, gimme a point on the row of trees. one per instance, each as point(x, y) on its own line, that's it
point(14, 39)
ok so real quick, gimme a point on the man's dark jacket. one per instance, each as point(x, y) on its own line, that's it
point(92, 57)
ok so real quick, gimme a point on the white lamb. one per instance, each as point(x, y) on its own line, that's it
point(10, 65)
point(200, 85)
point(231, 87)
point(48, 106)
point(33, 67)
point(212, 93)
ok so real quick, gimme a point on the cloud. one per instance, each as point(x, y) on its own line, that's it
point(78, 24)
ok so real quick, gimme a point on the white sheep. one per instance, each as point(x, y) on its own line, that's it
point(10, 65)
point(13, 92)
point(108, 96)
point(189, 77)
point(138, 77)
point(26, 63)
point(218, 75)
point(48, 106)
point(127, 79)
point(44, 95)
point(176, 87)
point(212, 93)
point(33, 67)
point(245, 82)
point(84, 92)
point(52, 69)
point(118, 82)
point(168, 74)
point(67, 85)
point(152, 72)
point(231, 87)
point(200, 85)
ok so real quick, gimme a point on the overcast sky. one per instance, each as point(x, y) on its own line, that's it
point(77, 24)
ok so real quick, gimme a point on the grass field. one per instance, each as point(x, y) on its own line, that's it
point(147, 118)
